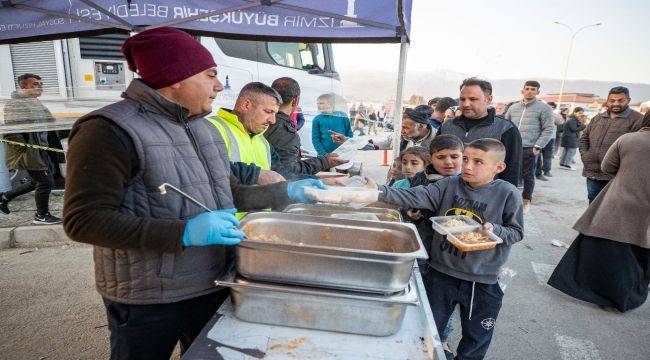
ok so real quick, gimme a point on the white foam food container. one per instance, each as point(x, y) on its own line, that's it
point(437, 222)
point(356, 216)
point(343, 195)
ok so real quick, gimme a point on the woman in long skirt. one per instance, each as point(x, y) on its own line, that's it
point(608, 264)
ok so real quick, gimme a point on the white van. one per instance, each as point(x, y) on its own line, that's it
point(81, 72)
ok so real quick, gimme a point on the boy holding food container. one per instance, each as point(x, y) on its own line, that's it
point(458, 276)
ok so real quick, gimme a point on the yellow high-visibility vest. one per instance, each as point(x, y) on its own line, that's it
point(241, 146)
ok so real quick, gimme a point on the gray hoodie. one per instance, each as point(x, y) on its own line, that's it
point(534, 121)
point(498, 203)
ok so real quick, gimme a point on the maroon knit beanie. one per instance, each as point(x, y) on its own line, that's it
point(165, 56)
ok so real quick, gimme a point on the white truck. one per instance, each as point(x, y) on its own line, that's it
point(83, 74)
point(82, 70)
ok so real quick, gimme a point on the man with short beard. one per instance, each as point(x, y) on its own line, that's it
point(40, 165)
point(479, 121)
point(283, 134)
point(416, 130)
point(156, 257)
point(601, 133)
point(534, 119)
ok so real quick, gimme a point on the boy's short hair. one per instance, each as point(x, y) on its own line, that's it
point(493, 146)
point(418, 151)
point(444, 104)
point(444, 142)
point(577, 109)
point(328, 98)
point(433, 101)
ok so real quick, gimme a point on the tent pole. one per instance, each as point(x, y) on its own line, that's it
point(397, 109)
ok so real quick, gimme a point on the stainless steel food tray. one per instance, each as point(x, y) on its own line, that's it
point(328, 210)
point(320, 309)
point(331, 253)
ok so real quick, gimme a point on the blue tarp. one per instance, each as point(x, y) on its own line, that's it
point(317, 20)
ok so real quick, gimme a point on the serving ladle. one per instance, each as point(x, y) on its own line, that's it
point(163, 191)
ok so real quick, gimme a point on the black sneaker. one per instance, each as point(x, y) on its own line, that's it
point(449, 355)
point(4, 204)
point(47, 219)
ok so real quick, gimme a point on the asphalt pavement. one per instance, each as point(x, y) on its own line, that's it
point(50, 310)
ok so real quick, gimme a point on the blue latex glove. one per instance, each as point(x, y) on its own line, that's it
point(213, 228)
point(296, 189)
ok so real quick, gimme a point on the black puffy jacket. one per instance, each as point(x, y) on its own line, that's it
point(571, 134)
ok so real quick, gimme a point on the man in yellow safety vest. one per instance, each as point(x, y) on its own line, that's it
point(242, 128)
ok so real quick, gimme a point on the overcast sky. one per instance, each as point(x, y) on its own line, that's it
point(517, 39)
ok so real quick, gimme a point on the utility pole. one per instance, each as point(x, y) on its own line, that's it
point(568, 57)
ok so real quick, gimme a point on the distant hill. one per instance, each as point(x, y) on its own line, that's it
point(380, 85)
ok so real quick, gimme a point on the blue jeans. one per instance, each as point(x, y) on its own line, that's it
point(594, 187)
point(567, 157)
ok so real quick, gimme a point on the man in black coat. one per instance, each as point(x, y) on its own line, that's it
point(571, 137)
point(479, 121)
point(283, 135)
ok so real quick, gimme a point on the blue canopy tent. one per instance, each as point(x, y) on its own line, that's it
point(352, 21)
point(327, 21)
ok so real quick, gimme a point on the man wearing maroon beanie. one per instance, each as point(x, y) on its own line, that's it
point(156, 257)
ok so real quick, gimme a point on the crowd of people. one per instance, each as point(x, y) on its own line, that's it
point(471, 163)
point(161, 254)
point(456, 157)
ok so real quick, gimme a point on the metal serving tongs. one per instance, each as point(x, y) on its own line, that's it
point(163, 191)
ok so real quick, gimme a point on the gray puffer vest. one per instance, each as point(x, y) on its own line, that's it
point(187, 153)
